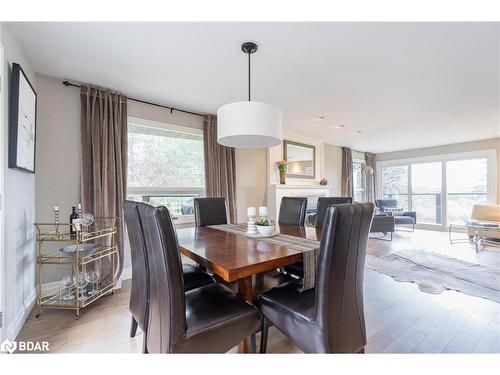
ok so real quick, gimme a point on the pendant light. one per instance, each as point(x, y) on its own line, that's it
point(249, 124)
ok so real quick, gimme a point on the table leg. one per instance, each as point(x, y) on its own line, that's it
point(245, 290)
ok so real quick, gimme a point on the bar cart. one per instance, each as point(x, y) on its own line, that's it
point(88, 245)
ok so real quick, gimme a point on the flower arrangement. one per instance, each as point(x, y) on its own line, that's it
point(281, 165)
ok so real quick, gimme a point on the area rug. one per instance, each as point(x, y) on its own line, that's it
point(435, 273)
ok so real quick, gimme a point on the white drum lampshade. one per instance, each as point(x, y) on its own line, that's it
point(249, 124)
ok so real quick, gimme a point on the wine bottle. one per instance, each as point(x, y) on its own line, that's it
point(74, 215)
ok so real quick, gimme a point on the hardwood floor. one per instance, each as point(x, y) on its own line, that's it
point(399, 317)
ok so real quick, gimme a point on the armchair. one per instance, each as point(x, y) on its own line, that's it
point(390, 207)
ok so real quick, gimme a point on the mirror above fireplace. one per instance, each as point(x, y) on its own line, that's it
point(300, 158)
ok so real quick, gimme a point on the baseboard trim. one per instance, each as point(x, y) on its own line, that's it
point(14, 327)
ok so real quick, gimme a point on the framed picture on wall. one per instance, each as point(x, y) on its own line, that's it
point(22, 122)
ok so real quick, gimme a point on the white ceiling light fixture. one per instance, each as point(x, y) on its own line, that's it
point(249, 124)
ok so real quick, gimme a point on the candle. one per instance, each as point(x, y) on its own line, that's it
point(262, 211)
point(251, 211)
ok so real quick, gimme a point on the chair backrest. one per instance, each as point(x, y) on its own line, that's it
point(323, 203)
point(386, 203)
point(167, 319)
point(210, 211)
point(339, 276)
point(139, 292)
point(292, 211)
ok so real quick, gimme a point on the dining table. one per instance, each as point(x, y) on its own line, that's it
point(239, 259)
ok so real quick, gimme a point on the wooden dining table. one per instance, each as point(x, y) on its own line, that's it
point(237, 258)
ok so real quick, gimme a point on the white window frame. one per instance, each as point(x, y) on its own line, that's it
point(363, 162)
point(490, 155)
point(184, 219)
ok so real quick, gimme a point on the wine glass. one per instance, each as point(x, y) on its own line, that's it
point(67, 282)
point(93, 277)
point(86, 221)
point(82, 283)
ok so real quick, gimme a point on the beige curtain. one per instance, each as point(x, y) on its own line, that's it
point(104, 160)
point(370, 179)
point(347, 185)
point(220, 167)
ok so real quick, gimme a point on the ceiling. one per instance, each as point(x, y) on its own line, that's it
point(402, 85)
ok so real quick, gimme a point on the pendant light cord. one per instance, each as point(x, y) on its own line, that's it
point(249, 84)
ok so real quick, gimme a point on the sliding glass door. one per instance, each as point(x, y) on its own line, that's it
point(442, 189)
point(467, 184)
point(426, 186)
point(395, 184)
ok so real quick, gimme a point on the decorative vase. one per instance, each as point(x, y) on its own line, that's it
point(282, 177)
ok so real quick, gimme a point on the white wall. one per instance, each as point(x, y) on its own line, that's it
point(332, 168)
point(58, 148)
point(19, 260)
point(251, 185)
point(487, 144)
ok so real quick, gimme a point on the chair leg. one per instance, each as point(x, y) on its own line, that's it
point(133, 327)
point(263, 337)
point(252, 344)
point(144, 346)
point(362, 351)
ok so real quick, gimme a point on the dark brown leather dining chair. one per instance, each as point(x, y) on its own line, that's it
point(210, 211)
point(139, 292)
point(292, 211)
point(323, 204)
point(209, 319)
point(297, 269)
point(330, 317)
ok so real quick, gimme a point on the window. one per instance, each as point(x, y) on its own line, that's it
point(466, 183)
point(165, 166)
point(358, 181)
point(441, 189)
point(426, 188)
point(395, 184)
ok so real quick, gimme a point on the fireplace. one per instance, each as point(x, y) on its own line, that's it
point(311, 192)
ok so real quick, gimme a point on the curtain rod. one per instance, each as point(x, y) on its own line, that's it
point(67, 84)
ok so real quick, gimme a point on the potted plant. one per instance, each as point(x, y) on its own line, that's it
point(265, 227)
point(281, 165)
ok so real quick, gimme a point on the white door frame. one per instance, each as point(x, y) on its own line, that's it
point(3, 88)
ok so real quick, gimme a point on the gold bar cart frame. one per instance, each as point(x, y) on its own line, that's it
point(51, 232)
